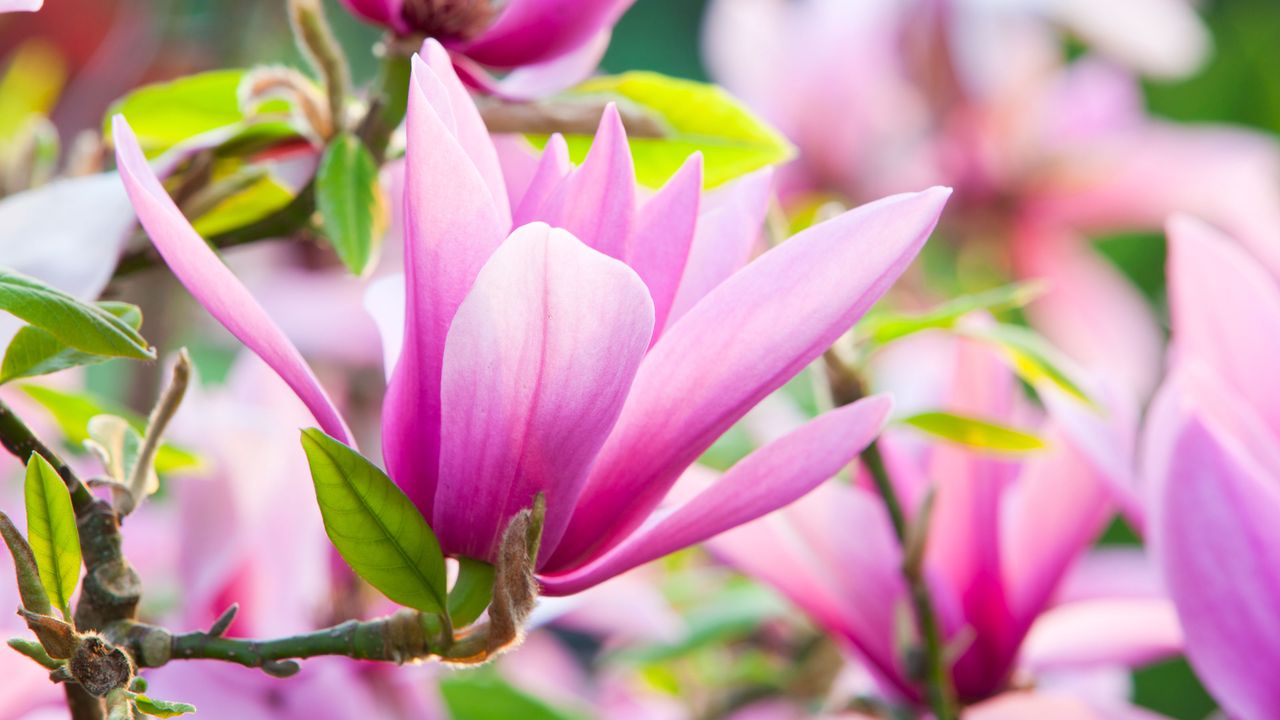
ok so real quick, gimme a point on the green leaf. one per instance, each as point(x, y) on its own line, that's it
point(376, 529)
point(165, 114)
point(1032, 358)
point(472, 592)
point(481, 695)
point(886, 328)
point(73, 412)
point(975, 432)
point(34, 597)
point(160, 708)
point(51, 528)
point(35, 651)
point(349, 200)
point(34, 351)
point(75, 324)
point(696, 117)
point(261, 198)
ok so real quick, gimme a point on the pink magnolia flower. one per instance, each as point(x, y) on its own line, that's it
point(20, 5)
point(548, 44)
point(1004, 532)
point(1043, 153)
point(1213, 466)
point(591, 362)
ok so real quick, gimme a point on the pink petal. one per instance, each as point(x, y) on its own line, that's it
point(538, 362)
point(452, 224)
point(204, 275)
point(739, 343)
point(533, 31)
point(1125, 632)
point(767, 479)
point(382, 12)
point(664, 234)
point(596, 202)
point(1226, 313)
point(1046, 705)
point(728, 229)
point(1164, 38)
point(20, 5)
point(551, 171)
point(541, 79)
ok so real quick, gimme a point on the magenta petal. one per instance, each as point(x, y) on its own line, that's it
point(664, 234)
point(533, 31)
point(742, 341)
point(204, 275)
point(382, 12)
point(541, 79)
point(537, 365)
point(552, 169)
point(767, 479)
point(452, 225)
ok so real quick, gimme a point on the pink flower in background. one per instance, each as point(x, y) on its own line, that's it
point(1212, 466)
point(20, 5)
point(1043, 153)
point(592, 361)
point(1003, 534)
point(546, 44)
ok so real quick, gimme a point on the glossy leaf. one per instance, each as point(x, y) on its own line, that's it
point(52, 532)
point(349, 200)
point(695, 117)
point(30, 588)
point(472, 591)
point(886, 328)
point(160, 708)
point(975, 432)
point(375, 528)
point(34, 351)
point(77, 325)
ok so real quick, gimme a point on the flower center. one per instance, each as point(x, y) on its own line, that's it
point(451, 19)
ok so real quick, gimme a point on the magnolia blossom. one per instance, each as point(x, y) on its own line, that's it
point(1003, 533)
point(592, 361)
point(1213, 466)
point(547, 44)
point(977, 94)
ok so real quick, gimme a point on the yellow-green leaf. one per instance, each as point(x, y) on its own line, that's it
point(52, 532)
point(888, 327)
point(975, 432)
point(77, 325)
point(160, 708)
point(472, 591)
point(374, 526)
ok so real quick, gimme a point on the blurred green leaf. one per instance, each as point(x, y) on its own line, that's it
point(481, 695)
point(75, 324)
point(29, 87)
point(737, 611)
point(34, 351)
point(35, 651)
point(160, 708)
point(52, 532)
point(472, 591)
point(1031, 356)
point(376, 529)
point(697, 117)
point(30, 588)
point(888, 327)
point(350, 202)
point(261, 198)
point(975, 432)
point(73, 411)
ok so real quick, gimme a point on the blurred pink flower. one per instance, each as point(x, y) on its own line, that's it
point(20, 5)
point(1003, 534)
point(592, 362)
point(546, 45)
point(1212, 466)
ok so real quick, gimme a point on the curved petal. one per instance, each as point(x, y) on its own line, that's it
point(553, 167)
point(539, 80)
point(537, 365)
point(664, 234)
point(767, 479)
point(384, 301)
point(1127, 632)
point(739, 343)
point(204, 275)
point(382, 12)
point(534, 31)
point(452, 226)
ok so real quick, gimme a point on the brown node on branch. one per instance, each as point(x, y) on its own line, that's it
point(100, 667)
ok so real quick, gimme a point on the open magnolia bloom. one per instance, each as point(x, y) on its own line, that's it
point(565, 341)
point(549, 44)
point(1212, 466)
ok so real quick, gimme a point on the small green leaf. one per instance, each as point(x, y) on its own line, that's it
point(472, 592)
point(35, 651)
point(1032, 358)
point(696, 117)
point(259, 199)
point(34, 351)
point(375, 528)
point(482, 695)
point(75, 324)
point(160, 708)
point(34, 597)
point(975, 432)
point(349, 200)
point(51, 528)
point(886, 328)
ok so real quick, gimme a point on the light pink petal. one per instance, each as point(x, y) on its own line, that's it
point(664, 234)
point(739, 343)
point(1164, 38)
point(539, 80)
point(20, 5)
point(1216, 532)
point(596, 202)
point(764, 481)
point(553, 168)
point(452, 225)
point(1047, 705)
point(1125, 632)
point(519, 160)
point(204, 275)
point(538, 362)
point(728, 228)
point(533, 31)
point(1226, 313)
point(1124, 572)
point(384, 301)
